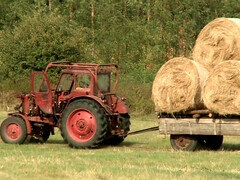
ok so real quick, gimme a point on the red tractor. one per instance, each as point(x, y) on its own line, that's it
point(83, 105)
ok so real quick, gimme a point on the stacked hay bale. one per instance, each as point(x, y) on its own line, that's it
point(182, 84)
point(218, 41)
point(221, 91)
point(177, 86)
point(217, 46)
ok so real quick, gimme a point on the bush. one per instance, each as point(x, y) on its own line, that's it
point(36, 41)
point(136, 86)
point(138, 97)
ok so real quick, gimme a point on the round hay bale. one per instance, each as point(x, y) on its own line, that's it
point(221, 91)
point(177, 86)
point(218, 41)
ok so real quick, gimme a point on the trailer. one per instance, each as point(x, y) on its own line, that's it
point(198, 128)
point(195, 129)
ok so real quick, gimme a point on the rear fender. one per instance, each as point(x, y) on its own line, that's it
point(97, 100)
point(121, 107)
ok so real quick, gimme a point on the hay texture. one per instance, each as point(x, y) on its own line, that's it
point(218, 41)
point(177, 86)
point(221, 91)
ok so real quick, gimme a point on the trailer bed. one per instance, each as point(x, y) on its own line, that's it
point(199, 126)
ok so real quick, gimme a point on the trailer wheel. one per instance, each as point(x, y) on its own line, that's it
point(211, 142)
point(13, 130)
point(183, 142)
point(83, 124)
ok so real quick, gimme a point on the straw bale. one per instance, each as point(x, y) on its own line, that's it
point(221, 91)
point(218, 41)
point(177, 85)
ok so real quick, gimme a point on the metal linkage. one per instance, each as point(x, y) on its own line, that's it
point(155, 128)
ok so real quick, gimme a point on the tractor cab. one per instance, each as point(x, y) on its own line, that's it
point(85, 82)
point(76, 81)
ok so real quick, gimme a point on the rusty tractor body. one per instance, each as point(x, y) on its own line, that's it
point(83, 104)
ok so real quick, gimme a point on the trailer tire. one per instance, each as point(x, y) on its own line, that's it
point(211, 142)
point(83, 124)
point(184, 142)
point(13, 130)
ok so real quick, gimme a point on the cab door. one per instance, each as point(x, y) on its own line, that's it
point(42, 91)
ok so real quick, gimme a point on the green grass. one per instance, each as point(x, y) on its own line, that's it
point(143, 156)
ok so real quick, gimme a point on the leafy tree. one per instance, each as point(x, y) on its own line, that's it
point(39, 39)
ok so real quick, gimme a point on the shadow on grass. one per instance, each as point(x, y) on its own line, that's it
point(38, 141)
point(123, 144)
point(136, 144)
point(230, 147)
point(55, 141)
point(61, 141)
point(224, 147)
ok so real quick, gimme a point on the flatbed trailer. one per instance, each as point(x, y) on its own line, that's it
point(198, 128)
point(195, 129)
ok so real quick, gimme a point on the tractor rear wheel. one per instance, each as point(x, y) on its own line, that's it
point(83, 124)
point(184, 142)
point(13, 130)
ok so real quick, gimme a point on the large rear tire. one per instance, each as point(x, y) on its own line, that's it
point(83, 124)
point(13, 130)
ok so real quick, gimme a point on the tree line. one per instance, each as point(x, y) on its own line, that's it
point(139, 35)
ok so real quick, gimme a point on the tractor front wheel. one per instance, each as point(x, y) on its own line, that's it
point(83, 124)
point(13, 130)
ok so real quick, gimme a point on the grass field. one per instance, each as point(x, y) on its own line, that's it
point(144, 156)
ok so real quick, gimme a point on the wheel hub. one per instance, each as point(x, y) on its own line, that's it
point(13, 131)
point(84, 126)
point(81, 125)
point(182, 142)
